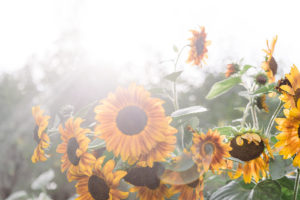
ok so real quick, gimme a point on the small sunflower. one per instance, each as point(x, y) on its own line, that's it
point(290, 88)
point(74, 147)
point(289, 138)
point(250, 148)
point(261, 102)
point(101, 183)
point(198, 52)
point(209, 150)
point(270, 65)
point(261, 79)
point(134, 126)
point(40, 135)
point(191, 191)
point(231, 69)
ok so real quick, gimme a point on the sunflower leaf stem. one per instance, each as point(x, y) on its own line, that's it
point(245, 115)
point(271, 122)
point(296, 187)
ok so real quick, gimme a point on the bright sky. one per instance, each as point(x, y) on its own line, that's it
point(135, 31)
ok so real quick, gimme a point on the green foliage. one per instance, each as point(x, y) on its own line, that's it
point(265, 89)
point(245, 69)
point(279, 167)
point(173, 76)
point(227, 130)
point(223, 86)
point(188, 112)
point(268, 189)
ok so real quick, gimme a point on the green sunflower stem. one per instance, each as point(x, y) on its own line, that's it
point(271, 122)
point(175, 96)
point(296, 187)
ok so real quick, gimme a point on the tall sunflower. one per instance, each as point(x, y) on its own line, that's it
point(250, 148)
point(209, 150)
point(101, 183)
point(289, 138)
point(198, 52)
point(74, 148)
point(134, 126)
point(270, 64)
point(40, 135)
point(290, 88)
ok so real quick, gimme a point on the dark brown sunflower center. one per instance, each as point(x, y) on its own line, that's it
point(246, 152)
point(193, 184)
point(273, 65)
point(71, 151)
point(98, 188)
point(200, 45)
point(297, 96)
point(261, 79)
point(299, 131)
point(209, 148)
point(36, 134)
point(131, 120)
point(145, 176)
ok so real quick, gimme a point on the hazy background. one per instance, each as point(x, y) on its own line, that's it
point(59, 52)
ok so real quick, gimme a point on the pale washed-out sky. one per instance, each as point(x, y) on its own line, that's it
point(134, 31)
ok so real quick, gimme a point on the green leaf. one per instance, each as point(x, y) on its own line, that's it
point(226, 130)
point(245, 69)
point(109, 155)
point(173, 76)
point(267, 189)
point(188, 111)
point(278, 167)
point(223, 86)
point(265, 89)
point(287, 188)
point(234, 190)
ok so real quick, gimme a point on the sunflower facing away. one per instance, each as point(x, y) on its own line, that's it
point(290, 88)
point(74, 148)
point(289, 138)
point(39, 135)
point(209, 150)
point(250, 148)
point(270, 65)
point(198, 52)
point(134, 126)
point(231, 69)
point(261, 103)
point(101, 183)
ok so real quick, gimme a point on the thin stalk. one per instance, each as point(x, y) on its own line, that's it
point(245, 115)
point(296, 187)
point(175, 96)
point(271, 122)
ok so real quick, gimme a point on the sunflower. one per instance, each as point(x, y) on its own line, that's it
point(101, 183)
point(250, 148)
point(290, 88)
point(156, 192)
point(231, 69)
point(134, 126)
point(289, 138)
point(191, 191)
point(198, 52)
point(209, 150)
point(39, 135)
point(270, 65)
point(74, 147)
point(261, 79)
point(261, 102)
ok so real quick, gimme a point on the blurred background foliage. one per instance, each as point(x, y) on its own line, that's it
point(64, 77)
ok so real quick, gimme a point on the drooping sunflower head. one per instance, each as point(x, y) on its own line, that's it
point(261, 102)
point(270, 64)
point(134, 126)
point(290, 88)
point(231, 69)
point(209, 150)
point(74, 148)
point(40, 135)
point(198, 52)
point(261, 79)
point(250, 148)
point(101, 183)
